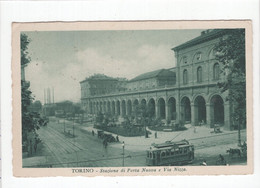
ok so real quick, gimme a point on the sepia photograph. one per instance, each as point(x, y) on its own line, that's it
point(137, 97)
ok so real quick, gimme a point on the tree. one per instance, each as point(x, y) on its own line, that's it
point(36, 106)
point(230, 52)
point(31, 120)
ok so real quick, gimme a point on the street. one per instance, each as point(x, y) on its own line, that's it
point(86, 150)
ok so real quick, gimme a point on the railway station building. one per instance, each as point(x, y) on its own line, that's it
point(186, 92)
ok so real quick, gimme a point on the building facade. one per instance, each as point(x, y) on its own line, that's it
point(187, 92)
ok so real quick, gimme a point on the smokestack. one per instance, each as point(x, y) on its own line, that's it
point(53, 95)
point(48, 95)
point(44, 96)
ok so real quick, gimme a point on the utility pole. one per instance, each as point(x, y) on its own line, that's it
point(123, 145)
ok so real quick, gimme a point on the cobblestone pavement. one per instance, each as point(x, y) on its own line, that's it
point(87, 150)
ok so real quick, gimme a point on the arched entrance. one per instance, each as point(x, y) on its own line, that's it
point(129, 107)
point(104, 106)
point(199, 110)
point(217, 104)
point(143, 102)
point(123, 108)
point(161, 108)
point(97, 107)
point(117, 107)
point(113, 108)
point(172, 108)
point(100, 107)
point(135, 105)
point(185, 109)
point(108, 107)
point(151, 108)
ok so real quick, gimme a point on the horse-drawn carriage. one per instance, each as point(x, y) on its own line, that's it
point(242, 151)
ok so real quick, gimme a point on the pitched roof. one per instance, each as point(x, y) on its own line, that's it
point(99, 77)
point(156, 73)
point(206, 35)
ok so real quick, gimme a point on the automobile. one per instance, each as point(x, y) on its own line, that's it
point(109, 138)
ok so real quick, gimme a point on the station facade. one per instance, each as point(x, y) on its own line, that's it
point(187, 92)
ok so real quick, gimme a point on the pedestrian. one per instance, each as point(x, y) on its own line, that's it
point(93, 133)
point(194, 129)
point(221, 158)
point(117, 138)
point(105, 143)
point(155, 134)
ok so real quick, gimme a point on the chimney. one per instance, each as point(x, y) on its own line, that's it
point(53, 95)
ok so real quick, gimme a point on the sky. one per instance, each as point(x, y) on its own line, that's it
point(61, 59)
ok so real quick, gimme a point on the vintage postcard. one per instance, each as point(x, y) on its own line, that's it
point(132, 98)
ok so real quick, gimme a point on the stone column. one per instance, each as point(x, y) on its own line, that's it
point(121, 108)
point(209, 113)
point(194, 114)
point(178, 109)
point(127, 108)
point(157, 111)
point(227, 115)
point(166, 112)
point(193, 117)
point(133, 107)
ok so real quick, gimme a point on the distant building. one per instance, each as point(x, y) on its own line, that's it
point(187, 93)
point(154, 79)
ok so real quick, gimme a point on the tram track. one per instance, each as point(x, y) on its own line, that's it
point(59, 148)
point(62, 145)
point(62, 136)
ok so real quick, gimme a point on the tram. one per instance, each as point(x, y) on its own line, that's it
point(170, 153)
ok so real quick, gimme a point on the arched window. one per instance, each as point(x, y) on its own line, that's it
point(216, 71)
point(184, 60)
point(197, 57)
point(185, 76)
point(199, 74)
point(212, 54)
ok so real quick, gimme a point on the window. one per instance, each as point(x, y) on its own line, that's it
point(212, 54)
point(198, 56)
point(185, 60)
point(185, 76)
point(163, 154)
point(199, 74)
point(216, 71)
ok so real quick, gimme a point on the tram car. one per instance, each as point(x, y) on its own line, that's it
point(170, 153)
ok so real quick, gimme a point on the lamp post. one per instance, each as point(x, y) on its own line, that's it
point(123, 145)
